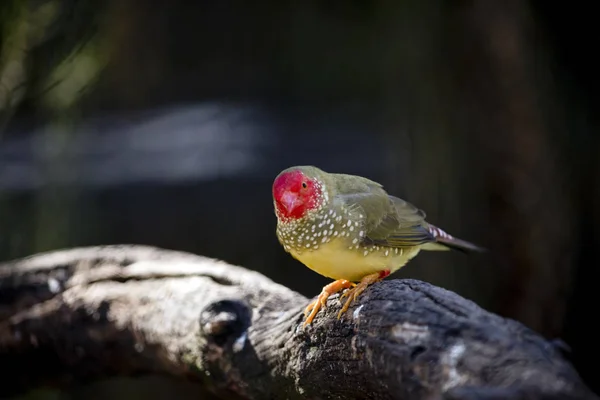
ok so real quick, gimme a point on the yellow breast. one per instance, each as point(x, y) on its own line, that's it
point(337, 261)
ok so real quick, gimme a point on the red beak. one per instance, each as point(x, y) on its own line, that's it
point(290, 201)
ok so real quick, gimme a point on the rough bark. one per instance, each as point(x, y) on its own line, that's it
point(82, 314)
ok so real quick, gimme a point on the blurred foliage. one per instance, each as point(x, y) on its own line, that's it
point(51, 53)
point(12, 54)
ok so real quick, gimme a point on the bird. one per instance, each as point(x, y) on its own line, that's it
point(349, 229)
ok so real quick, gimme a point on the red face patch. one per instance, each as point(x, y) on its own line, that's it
point(295, 194)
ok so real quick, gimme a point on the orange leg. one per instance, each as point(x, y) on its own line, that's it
point(313, 308)
point(358, 289)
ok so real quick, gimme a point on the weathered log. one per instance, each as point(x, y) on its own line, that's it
point(86, 313)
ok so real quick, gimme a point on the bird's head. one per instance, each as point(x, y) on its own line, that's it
point(297, 191)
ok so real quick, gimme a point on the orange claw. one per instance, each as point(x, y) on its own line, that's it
point(358, 289)
point(313, 308)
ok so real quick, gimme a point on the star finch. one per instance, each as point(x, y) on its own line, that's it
point(350, 229)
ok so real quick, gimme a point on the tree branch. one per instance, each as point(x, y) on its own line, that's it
point(83, 314)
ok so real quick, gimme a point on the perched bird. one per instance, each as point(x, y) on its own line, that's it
point(350, 229)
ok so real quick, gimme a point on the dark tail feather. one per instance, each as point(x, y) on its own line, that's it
point(460, 245)
point(444, 241)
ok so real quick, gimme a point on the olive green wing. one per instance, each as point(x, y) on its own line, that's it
point(403, 226)
point(388, 220)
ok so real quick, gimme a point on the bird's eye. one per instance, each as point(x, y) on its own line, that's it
point(304, 185)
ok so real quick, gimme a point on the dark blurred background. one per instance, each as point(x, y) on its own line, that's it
point(164, 123)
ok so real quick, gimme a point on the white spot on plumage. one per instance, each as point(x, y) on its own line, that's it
point(351, 228)
point(335, 233)
point(324, 232)
point(387, 252)
point(365, 253)
point(361, 233)
point(354, 240)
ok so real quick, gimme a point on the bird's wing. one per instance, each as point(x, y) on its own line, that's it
point(411, 230)
point(388, 220)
